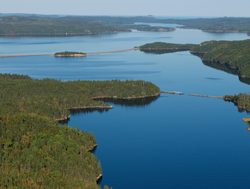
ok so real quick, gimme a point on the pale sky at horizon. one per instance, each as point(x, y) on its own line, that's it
point(203, 8)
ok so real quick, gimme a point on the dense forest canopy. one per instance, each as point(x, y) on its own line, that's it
point(36, 152)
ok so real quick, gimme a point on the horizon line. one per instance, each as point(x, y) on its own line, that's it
point(116, 15)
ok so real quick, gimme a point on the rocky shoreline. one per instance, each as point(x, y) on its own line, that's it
point(222, 66)
point(107, 98)
point(241, 101)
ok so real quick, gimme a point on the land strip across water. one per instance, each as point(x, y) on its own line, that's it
point(52, 54)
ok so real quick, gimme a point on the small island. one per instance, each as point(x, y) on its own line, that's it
point(70, 54)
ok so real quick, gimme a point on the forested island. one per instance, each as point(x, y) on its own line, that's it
point(37, 152)
point(230, 56)
point(70, 54)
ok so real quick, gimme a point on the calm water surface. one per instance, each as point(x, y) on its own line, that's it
point(175, 142)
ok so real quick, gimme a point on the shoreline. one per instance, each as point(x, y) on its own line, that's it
point(210, 54)
point(83, 108)
point(106, 98)
point(73, 110)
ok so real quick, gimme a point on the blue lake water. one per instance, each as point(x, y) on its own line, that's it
point(174, 142)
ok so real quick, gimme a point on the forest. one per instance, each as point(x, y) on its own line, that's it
point(54, 99)
point(161, 48)
point(36, 151)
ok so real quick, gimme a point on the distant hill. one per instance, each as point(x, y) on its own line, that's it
point(52, 25)
point(218, 25)
point(63, 25)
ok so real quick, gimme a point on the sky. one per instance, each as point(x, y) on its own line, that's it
point(202, 8)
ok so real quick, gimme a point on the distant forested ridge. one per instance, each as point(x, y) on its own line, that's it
point(218, 25)
point(230, 56)
point(41, 25)
point(37, 25)
point(35, 151)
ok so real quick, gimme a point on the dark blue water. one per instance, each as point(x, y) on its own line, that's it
point(174, 142)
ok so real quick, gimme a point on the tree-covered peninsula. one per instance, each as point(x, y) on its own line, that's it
point(161, 48)
point(230, 56)
point(242, 101)
point(56, 99)
point(37, 152)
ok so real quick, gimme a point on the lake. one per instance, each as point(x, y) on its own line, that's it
point(174, 142)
